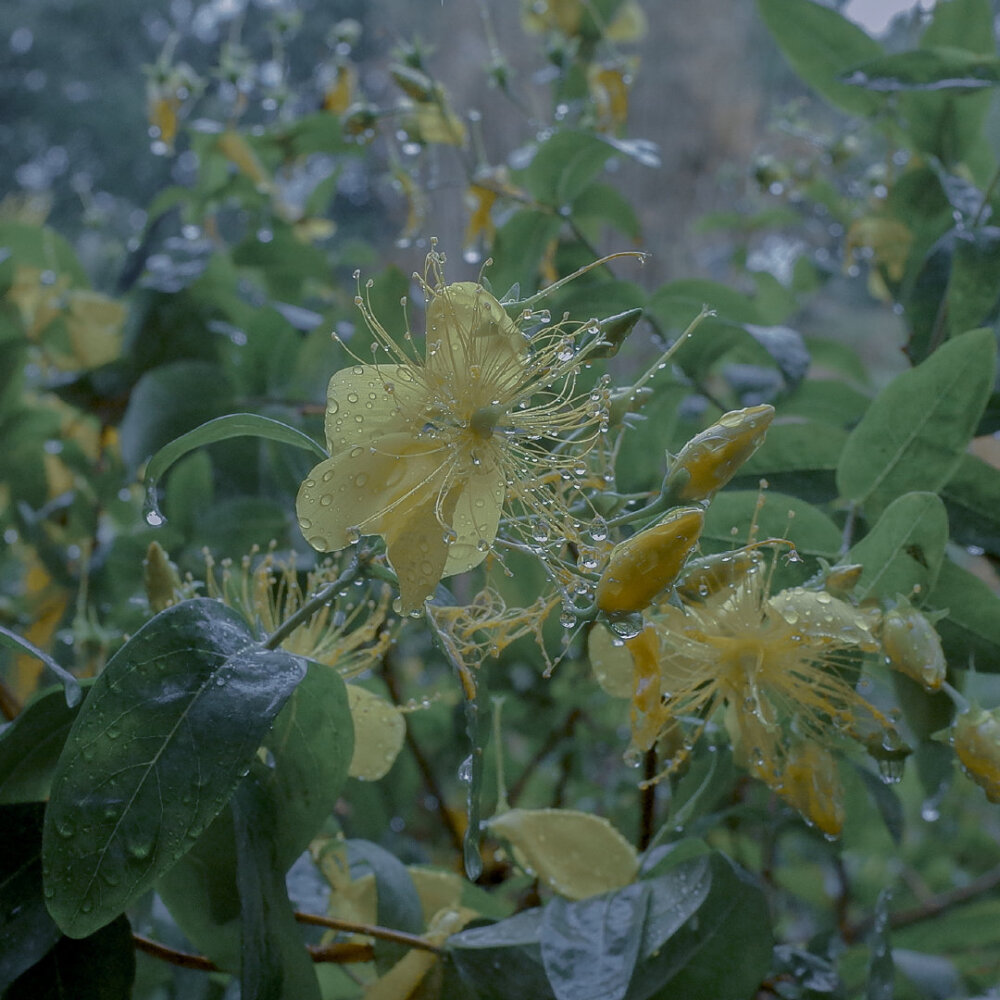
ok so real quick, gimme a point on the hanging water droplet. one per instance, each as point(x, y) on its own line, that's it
point(465, 770)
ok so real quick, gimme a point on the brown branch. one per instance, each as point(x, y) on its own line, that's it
point(182, 958)
point(455, 835)
point(369, 930)
point(932, 906)
point(342, 952)
point(564, 732)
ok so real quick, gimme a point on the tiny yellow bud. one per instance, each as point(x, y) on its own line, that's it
point(976, 738)
point(913, 646)
point(710, 459)
point(647, 563)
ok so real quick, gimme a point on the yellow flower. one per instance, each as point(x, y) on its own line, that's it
point(425, 452)
point(775, 665)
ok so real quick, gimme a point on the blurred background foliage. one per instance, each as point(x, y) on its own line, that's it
point(190, 188)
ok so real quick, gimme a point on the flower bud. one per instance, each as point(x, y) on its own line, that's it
point(710, 459)
point(707, 576)
point(913, 647)
point(160, 578)
point(976, 738)
point(648, 562)
point(811, 784)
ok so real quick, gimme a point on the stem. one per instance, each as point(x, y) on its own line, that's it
point(300, 617)
point(564, 732)
point(340, 952)
point(931, 907)
point(369, 930)
point(182, 958)
point(647, 802)
point(423, 765)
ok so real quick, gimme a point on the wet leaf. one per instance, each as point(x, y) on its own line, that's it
point(578, 854)
point(904, 550)
point(970, 634)
point(379, 734)
point(926, 69)
point(165, 734)
point(913, 435)
point(590, 948)
point(26, 929)
point(821, 45)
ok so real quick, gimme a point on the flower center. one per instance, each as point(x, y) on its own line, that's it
point(484, 420)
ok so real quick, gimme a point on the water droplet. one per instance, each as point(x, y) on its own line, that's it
point(465, 770)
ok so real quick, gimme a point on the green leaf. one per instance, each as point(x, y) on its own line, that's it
point(99, 967)
point(202, 894)
point(904, 550)
point(811, 531)
point(821, 45)
point(222, 429)
point(564, 164)
point(970, 634)
point(590, 948)
point(602, 202)
point(708, 934)
point(167, 730)
point(397, 902)
point(926, 69)
point(311, 744)
point(974, 282)
point(27, 932)
point(168, 402)
point(972, 497)
point(43, 248)
point(30, 746)
point(520, 244)
point(913, 435)
point(274, 962)
point(502, 960)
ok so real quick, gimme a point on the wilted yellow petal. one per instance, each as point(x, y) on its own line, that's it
point(811, 784)
point(647, 689)
point(235, 148)
point(339, 93)
point(480, 201)
point(612, 664)
point(379, 733)
point(576, 853)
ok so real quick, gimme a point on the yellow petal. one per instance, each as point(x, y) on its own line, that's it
point(475, 521)
point(470, 336)
point(365, 489)
point(612, 664)
point(811, 784)
point(379, 732)
point(825, 618)
point(416, 548)
point(364, 402)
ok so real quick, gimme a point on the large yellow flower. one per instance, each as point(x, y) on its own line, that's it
point(425, 452)
point(777, 667)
